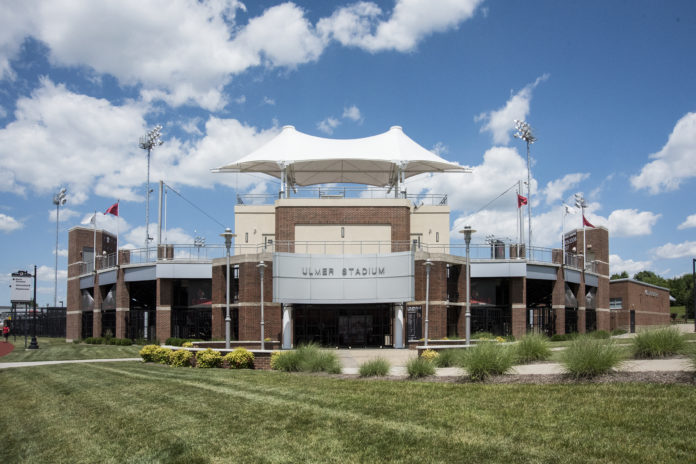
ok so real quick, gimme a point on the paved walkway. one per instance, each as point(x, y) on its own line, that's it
point(7, 365)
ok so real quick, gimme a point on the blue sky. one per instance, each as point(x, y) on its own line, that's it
point(607, 86)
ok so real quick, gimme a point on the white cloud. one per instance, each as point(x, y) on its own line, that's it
point(175, 235)
point(617, 265)
point(678, 250)
point(191, 126)
point(352, 113)
point(688, 223)
point(328, 125)
point(61, 252)
point(15, 23)
point(440, 149)
point(240, 100)
point(360, 24)
point(3, 112)
point(47, 273)
point(500, 122)
point(555, 190)
point(65, 214)
point(674, 163)
point(9, 224)
point(631, 222)
point(268, 101)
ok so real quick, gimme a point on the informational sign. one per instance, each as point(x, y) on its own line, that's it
point(20, 287)
point(346, 279)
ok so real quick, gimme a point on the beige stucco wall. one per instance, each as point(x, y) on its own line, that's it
point(254, 225)
point(357, 238)
point(431, 225)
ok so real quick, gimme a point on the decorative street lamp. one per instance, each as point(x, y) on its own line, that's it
point(59, 199)
point(228, 236)
point(524, 132)
point(148, 142)
point(261, 267)
point(467, 231)
point(428, 264)
point(34, 345)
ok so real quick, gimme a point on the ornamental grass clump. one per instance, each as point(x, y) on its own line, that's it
point(533, 347)
point(306, 358)
point(239, 358)
point(487, 359)
point(419, 367)
point(148, 353)
point(378, 367)
point(449, 357)
point(658, 343)
point(589, 357)
point(180, 358)
point(208, 359)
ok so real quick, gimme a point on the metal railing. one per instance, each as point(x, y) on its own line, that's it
point(343, 192)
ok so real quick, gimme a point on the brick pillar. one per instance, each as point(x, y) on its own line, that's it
point(97, 323)
point(122, 300)
point(73, 326)
point(559, 316)
point(602, 303)
point(518, 303)
point(98, 300)
point(558, 302)
point(219, 287)
point(164, 310)
point(582, 304)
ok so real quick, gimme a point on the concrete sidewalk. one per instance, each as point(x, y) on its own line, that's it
point(7, 365)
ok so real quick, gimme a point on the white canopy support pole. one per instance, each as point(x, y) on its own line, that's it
point(159, 214)
point(283, 181)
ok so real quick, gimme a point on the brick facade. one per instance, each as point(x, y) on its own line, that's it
point(650, 303)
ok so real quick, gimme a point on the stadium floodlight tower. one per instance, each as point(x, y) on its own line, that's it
point(524, 132)
point(59, 200)
point(582, 204)
point(148, 142)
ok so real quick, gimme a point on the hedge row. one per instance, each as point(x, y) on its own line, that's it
point(239, 358)
point(108, 341)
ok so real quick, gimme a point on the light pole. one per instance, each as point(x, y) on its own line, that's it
point(693, 273)
point(524, 132)
point(428, 264)
point(148, 142)
point(227, 235)
point(582, 204)
point(261, 267)
point(467, 231)
point(34, 345)
point(58, 200)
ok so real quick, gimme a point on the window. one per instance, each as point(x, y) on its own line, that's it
point(615, 303)
point(437, 237)
point(246, 237)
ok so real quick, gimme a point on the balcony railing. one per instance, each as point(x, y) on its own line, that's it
point(478, 252)
point(343, 192)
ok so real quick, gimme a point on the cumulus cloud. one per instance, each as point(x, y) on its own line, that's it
point(555, 190)
point(47, 273)
point(61, 252)
point(688, 223)
point(361, 25)
point(9, 224)
point(500, 122)
point(631, 222)
point(268, 101)
point(328, 125)
point(175, 235)
point(440, 149)
point(55, 131)
point(617, 265)
point(674, 163)
point(679, 250)
point(352, 113)
point(65, 214)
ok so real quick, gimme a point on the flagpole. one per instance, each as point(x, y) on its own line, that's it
point(118, 207)
point(519, 212)
point(563, 213)
point(94, 254)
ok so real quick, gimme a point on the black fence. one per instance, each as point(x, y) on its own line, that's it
point(50, 322)
point(494, 319)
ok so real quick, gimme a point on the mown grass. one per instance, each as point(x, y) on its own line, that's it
point(142, 413)
point(55, 349)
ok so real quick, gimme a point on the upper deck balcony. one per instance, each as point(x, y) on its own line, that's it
point(338, 192)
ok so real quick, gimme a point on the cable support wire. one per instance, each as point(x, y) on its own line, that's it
point(194, 205)
point(487, 204)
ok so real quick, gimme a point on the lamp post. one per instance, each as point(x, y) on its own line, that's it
point(58, 200)
point(148, 142)
point(428, 264)
point(582, 204)
point(227, 235)
point(34, 345)
point(693, 273)
point(467, 231)
point(261, 267)
point(524, 132)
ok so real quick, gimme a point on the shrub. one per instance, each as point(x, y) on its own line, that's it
point(588, 357)
point(208, 358)
point(374, 368)
point(533, 347)
point(306, 358)
point(419, 367)
point(174, 341)
point(449, 358)
point(94, 340)
point(148, 353)
point(274, 359)
point(239, 358)
point(180, 358)
point(658, 343)
point(161, 355)
point(77, 341)
point(187, 345)
point(429, 355)
point(563, 337)
point(600, 334)
point(483, 336)
point(287, 361)
point(618, 332)
point(486, 359)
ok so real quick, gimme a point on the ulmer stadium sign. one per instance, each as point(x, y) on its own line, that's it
point(346, 279)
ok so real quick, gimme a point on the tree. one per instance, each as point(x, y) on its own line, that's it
point(651, 278)
point(623, 275)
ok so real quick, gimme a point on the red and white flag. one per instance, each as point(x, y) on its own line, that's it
point(113, 209)
point(585, 222)
point(521, 201)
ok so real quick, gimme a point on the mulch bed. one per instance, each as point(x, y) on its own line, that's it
point(6, 348)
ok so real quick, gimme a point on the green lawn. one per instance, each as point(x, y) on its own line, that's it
point(144, 413)
point(55, 349)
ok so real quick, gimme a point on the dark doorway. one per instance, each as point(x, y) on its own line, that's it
point(539, 306)
point(633, 321)
point(141, 319)
point(343, 325)
point(414, 322)
point(453, 314)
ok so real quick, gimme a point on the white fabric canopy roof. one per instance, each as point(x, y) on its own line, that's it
point(310, 160)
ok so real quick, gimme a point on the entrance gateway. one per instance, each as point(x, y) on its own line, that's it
point(354, 326)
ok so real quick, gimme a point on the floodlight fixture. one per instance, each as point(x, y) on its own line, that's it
point(59, 200)
point(524, 132)
point(148, 142)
